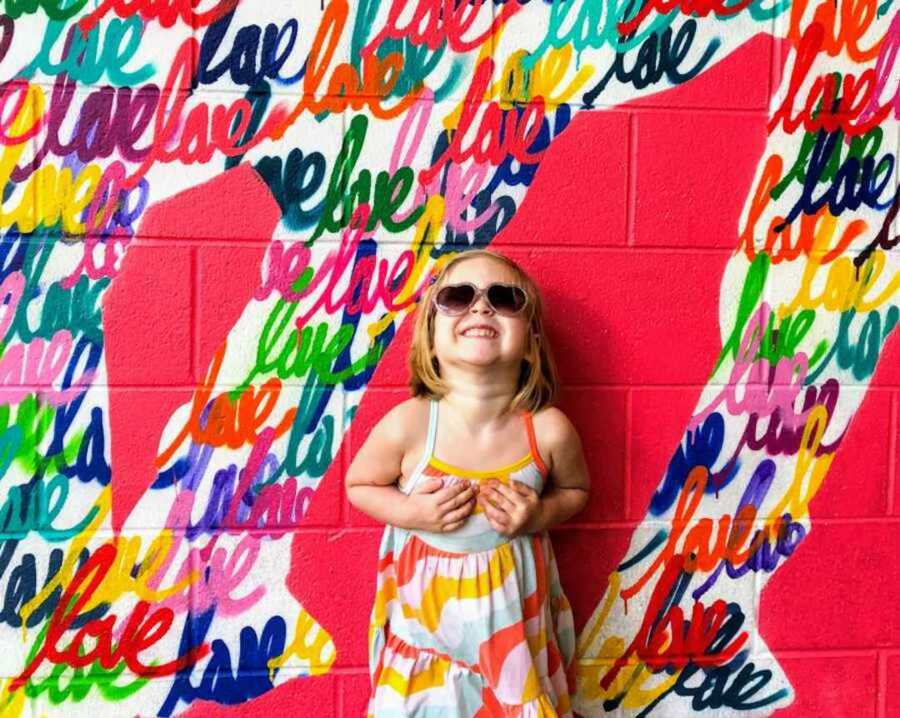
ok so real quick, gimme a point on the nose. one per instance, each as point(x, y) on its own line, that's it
point(481, 305)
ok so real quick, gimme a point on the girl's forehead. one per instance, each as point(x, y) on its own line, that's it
point(480, 270)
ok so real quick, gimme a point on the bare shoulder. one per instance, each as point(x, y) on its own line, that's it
point(404, 423)
point(553, 429)
point(378, 460)
point(560, 446)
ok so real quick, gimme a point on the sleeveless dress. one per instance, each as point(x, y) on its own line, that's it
point(470, 623)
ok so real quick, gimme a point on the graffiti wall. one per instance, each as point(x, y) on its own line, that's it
point(217, 217)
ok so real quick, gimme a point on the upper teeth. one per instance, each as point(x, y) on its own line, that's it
point(479, 332)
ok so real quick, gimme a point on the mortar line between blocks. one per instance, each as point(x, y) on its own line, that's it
point(881, 686)
point(626, 493)
point(797, 653)
point(333, 530)
point(350, 670)
point(774, 55)
point(194, 350)
point(631, 189)
point(756, 637)
point(893, 458)
point(645, 108)
point(339, 697)
point(343, 456)
point(636, 522)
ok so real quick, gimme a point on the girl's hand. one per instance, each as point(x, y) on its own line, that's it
point(438, 508)
point(511, 510)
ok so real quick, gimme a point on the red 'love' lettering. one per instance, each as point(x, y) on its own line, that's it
point(660, 643)
point(849, 105)
point(444, 20)
point(142, 629)
point(687, 7)
point(166, 11)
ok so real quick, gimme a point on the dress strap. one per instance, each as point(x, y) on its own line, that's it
point(429, 447)
point(532, 443)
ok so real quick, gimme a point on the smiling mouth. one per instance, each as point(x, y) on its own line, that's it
point(480, 332)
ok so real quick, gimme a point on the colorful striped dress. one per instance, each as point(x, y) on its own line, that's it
point(470, 623)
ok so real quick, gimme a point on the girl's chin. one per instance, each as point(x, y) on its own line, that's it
point(485, 359)
point(473, 355)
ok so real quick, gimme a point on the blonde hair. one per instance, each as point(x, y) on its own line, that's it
point(538, 383)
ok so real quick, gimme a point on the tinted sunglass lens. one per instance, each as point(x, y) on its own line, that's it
point(455, 299)
point(506, 300)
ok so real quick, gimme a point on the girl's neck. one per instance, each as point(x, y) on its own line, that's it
point(479, 405)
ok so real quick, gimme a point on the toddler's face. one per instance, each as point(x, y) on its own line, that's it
point(480, 336)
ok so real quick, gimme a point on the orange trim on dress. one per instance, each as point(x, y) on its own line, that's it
point(532, 443)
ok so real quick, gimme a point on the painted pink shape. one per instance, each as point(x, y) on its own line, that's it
point(337, 590)
point(339, 599)
point(148, 313)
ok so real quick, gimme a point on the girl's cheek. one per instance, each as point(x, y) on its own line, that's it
point(443, 335)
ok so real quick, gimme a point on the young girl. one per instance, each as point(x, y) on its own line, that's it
point(469, 616)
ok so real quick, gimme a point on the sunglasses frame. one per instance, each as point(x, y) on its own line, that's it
point(479, 292)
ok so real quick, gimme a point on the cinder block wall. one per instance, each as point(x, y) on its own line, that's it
point(177, 420)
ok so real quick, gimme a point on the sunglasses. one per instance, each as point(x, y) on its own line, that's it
point(505, 299)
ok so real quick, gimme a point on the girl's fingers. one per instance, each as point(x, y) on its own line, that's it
point(499, 519)
point(488, 499)
point(523, 489)
point(508, 493)
point(429, 486)
point(451, 490)
point(498, 499)
point(457, 495)
point(458, 514)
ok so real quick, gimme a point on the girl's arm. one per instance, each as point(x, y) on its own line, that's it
point(371, 480)
point(518, 509)
point(570, 485)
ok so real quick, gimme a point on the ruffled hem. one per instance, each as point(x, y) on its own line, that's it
point(412, 682)
point(544, 706)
